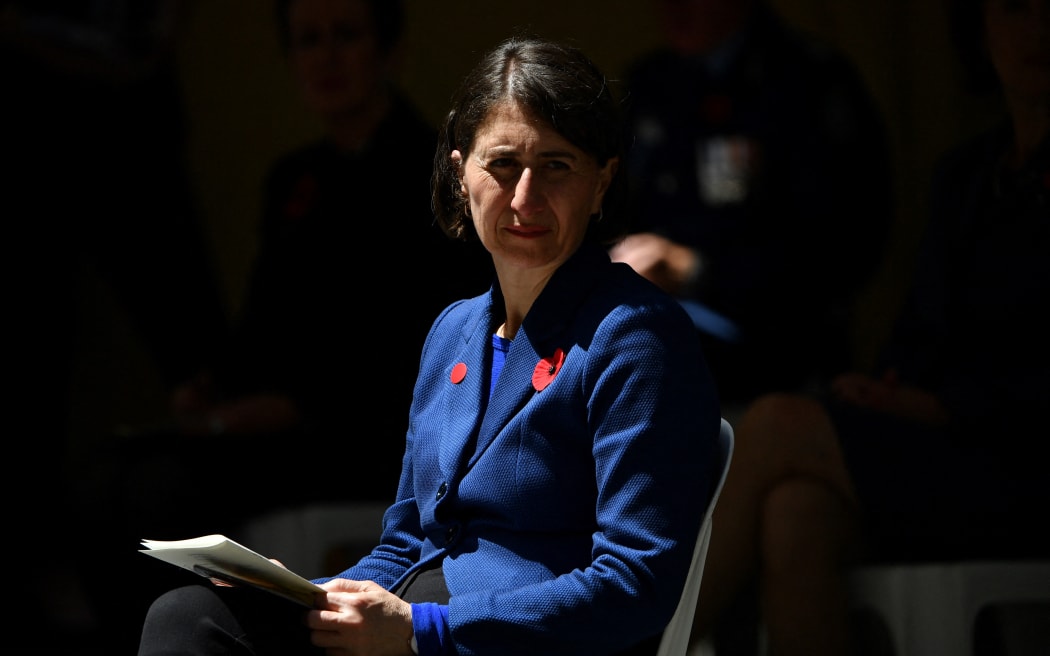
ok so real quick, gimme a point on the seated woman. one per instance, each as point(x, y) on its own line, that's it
point(561, 446)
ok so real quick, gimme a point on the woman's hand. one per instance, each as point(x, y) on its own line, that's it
point(887, 395)
point(250, 415)
point(360, 618)
point(671, 266)
point(193, 398)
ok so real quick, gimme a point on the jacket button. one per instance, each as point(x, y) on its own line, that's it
point(441, 491)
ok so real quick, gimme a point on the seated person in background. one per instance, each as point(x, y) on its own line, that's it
point(302, 350)
point(562, 437)
point(939, 454)
point(104, 232)
point(761, 172)
point(324, 349)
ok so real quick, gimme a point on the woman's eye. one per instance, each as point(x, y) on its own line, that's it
point(347, 35)
point(1013, 6)
point(306, 39)
point(503, 169)
point(341, 35)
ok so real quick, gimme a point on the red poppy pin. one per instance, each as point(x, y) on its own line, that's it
point(546, 369)
point(459, 372)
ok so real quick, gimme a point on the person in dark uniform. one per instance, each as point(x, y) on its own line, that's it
point(103, 227)
point(760, 168)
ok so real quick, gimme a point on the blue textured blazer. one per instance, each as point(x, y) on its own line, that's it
point(565, 518)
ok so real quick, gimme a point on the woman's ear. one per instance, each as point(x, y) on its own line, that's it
point(605, 177)
point(457, 161)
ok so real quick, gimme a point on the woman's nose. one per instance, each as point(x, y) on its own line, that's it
point(528, 194)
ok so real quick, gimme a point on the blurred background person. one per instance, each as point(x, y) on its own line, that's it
point(96, 190)
point(327, 207)
point(932, 455)
point(326, 345)
point(761, 172)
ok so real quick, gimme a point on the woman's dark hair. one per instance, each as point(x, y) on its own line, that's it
point(388, 16)
point(967, 31)
point(554, 83)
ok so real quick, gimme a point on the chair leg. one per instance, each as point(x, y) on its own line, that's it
point(1020, 628)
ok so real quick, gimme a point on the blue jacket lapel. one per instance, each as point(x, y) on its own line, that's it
point(538, 337)
point(467, 397)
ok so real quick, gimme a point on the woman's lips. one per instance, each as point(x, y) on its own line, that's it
point(528, 231)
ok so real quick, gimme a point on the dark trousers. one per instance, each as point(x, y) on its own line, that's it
point(208, 619)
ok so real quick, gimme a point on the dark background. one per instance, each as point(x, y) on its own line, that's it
point(244, 111)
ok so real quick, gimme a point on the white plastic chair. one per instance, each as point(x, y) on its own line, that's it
point(933, 608)
point(675, 640)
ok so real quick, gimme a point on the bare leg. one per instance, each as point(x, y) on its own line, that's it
point(787, 496)
point(807, 537)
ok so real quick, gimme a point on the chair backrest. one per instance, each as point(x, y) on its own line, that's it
point(675, 641)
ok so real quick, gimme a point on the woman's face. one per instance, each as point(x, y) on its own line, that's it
point(335, 54)
point(1018, 40)
point(531, 192)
